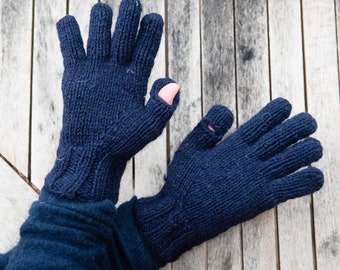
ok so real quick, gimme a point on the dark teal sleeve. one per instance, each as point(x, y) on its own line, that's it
point(63, 234)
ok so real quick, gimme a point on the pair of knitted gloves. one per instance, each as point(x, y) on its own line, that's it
point(212, 183)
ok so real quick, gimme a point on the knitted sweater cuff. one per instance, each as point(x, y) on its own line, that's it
point(63, 234)
point(132, 244)
point(128, 250)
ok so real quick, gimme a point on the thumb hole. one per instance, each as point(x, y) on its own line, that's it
point(169, 92)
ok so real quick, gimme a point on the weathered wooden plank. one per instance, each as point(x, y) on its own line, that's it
point(15, 78)
point(151, 162)
point(81, 10)
point(218, 83)
point(337, 17)
point(322, 82)
point(184, 67)
point(15, 199)
point(259, 243)
point(287, 80)
point(47, 98)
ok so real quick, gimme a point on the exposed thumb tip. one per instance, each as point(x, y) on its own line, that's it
point(169, 92)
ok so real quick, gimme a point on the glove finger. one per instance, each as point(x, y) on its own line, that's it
point(284, 135)
point(148, 41)
point(295, 185)
point(123, 41)
point(293, 158)
point(270, 116)
point(210, 129)
point(98, 44)
point(71, 43)
point(157, 109)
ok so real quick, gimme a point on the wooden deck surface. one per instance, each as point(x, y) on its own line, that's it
point(240, 53)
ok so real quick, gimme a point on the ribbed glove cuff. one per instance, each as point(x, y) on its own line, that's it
point(164, 226)
point(85, 174)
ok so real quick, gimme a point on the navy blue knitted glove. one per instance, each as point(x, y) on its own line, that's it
point(105, 120)
point(211, 187)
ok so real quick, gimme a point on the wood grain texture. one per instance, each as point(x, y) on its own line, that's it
point(218, 87)
point(259, 241)
point(151, 162)
point(47, 103)
point(322, 81)
point(184, 67)
point(15, 61)
point(15, 199)
point(287, 80)
point(81, 10)
point(337, 18)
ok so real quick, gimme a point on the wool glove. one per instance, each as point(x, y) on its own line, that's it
point(212, 186)
point(105, 120)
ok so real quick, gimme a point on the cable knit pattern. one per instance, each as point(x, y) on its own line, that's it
point(212, 186)
point(105, 120)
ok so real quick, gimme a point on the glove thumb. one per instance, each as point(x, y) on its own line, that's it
point(164, 98)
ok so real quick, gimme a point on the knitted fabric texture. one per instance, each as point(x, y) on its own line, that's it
point(4, 258)
point(105, 120)
point(63, 234)
point(211, 187)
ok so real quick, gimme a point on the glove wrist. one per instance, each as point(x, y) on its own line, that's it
point(85, 173)
point(164, 225)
